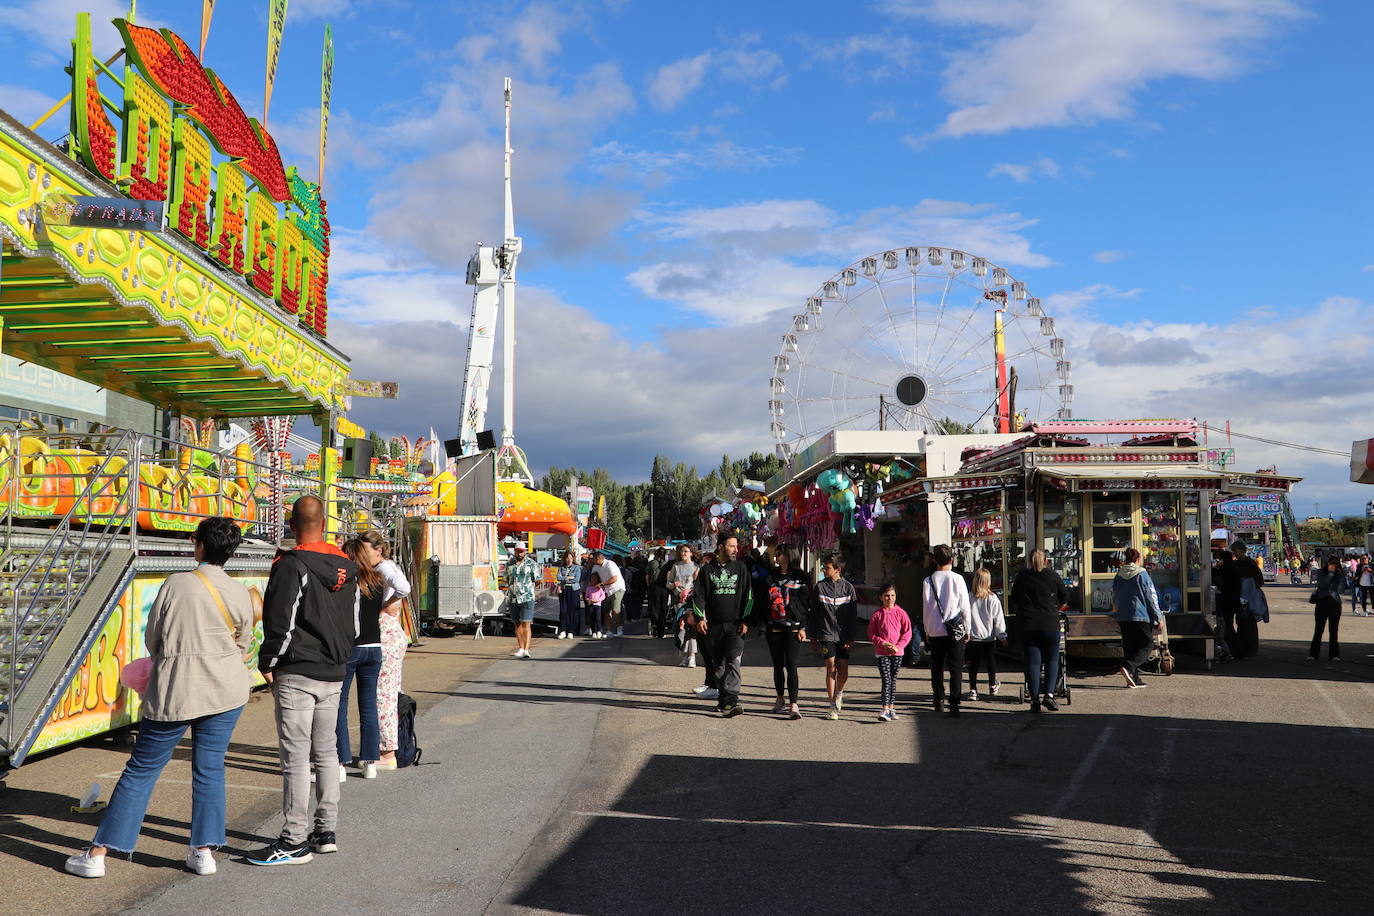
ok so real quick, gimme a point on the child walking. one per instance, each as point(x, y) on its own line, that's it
point(594, 595)
point(889, 629)
point(987, 629)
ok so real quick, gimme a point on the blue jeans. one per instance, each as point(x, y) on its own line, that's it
point(570, 611)
point(1041, 648)
point(156, 740)
point(366, 663)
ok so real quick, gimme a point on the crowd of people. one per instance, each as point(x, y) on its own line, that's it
point(330, 623)
point(711, 602)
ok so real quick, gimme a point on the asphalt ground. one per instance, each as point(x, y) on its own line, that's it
point(590, 780)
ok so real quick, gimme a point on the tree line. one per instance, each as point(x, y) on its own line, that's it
point(666, 505)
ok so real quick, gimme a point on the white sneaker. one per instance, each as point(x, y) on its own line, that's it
point(86, 865)
point(343, 774)
point(699, 689)
point(201, 861)
point(683, 663)
point(517, 653)
point(620, 631)
point(994, 688)
point(369, 770)
point(839, 701)
point(691, 661)
point(562, 635)
point(970, 695)
point(710, 693)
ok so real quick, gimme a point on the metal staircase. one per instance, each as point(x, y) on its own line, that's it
point(58, 584)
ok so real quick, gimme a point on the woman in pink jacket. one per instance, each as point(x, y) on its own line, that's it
point(889, 630)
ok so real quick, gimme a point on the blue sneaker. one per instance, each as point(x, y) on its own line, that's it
point(281, 852)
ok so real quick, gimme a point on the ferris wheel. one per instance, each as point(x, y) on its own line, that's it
point(920, 338)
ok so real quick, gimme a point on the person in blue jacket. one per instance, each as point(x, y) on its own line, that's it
point(1135, 604)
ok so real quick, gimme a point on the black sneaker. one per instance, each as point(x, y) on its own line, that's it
point(280, 851)
point(953, 711)
point(729, 712)
point(323, 841)
point(1050, 704)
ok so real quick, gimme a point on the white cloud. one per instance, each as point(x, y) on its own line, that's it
point(876, 55)
point(1255, 372)
point(51, 25)
point(723, 154)
point(886, 112)
point(554, 339)
point(1043, 167)
point(674, 82)
point(318, 9)
point(28, 105)
point(739, 263)
point(1109, 256)
point(1017, 173)
point(1059, 62)
point(1367, 268)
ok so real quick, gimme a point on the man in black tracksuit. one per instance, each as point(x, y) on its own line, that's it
point(721, 600)
point(309, 619)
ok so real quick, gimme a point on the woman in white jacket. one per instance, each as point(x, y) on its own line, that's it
point(987, 629)
point(394, 641)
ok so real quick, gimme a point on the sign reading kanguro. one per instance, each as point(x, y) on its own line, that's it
point(248, 212)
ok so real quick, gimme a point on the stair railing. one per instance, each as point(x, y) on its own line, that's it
point(85, 534)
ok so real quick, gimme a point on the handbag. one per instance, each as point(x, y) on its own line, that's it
point(955, 625)
point(1312, 598)
point(136, 674)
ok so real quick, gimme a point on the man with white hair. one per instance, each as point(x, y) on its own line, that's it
point(522, 575)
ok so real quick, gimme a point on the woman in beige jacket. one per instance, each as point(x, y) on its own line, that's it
point(198, 631)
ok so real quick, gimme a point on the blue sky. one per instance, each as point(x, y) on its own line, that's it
point(1182, 181)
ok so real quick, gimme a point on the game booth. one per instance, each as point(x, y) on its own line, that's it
point(1082, 491)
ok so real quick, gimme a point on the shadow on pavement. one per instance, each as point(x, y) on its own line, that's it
point(1123, 813)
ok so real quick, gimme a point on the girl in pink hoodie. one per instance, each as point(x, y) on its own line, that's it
point(889, 630)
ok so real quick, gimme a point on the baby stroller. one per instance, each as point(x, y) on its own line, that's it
point(1062, 691)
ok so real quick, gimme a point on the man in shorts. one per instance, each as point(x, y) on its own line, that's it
point(522, 574)
point(833, 616)
point(614, 584)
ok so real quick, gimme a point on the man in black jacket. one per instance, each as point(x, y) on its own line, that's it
point(721, 600)
point(309, 619)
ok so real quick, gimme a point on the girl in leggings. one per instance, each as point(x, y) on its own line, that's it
point(783, 619)
point(889, 629)
point(987, 629)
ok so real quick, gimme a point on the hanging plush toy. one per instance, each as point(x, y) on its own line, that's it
point(837, 485)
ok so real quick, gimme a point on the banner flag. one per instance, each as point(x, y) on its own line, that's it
point(326, 91)
point(207, 9)
point(276, 23)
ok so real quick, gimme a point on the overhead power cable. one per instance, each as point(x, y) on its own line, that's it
point(1305, 448)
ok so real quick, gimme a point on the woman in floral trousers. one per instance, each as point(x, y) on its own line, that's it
point(394, 642)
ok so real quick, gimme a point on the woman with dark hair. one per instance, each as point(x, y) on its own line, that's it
point(782, 616)
point(366, 664)
point(1036, 596)
point(569, 597)
point(1135, 604)
point(1326, 595)
point(199, 629)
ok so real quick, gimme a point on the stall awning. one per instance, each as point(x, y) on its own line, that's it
point(144, 313)
point(1142, 477)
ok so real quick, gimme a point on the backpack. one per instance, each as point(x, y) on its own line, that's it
point(408, 752)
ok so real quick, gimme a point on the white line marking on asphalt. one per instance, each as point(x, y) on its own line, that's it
point(1080, 774)
point(1006, 832)
point(1341, 714)
point(1155, 800)
point(186, 782)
